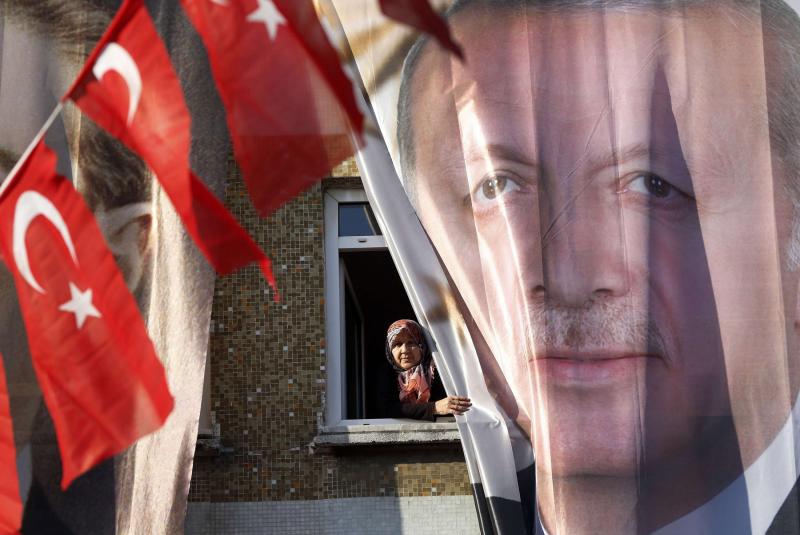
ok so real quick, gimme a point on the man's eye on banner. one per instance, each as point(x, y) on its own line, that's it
point(611, 190)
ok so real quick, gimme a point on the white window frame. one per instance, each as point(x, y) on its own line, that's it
point(334, 306)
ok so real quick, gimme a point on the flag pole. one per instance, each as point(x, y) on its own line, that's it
point(10, 178)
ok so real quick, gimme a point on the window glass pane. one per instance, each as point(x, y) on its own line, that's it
point(357, 219)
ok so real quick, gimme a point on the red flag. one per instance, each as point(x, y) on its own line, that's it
point(10, 501)
point(420, 15)
point(128, 86)
point(97, 369)
point(290, 106)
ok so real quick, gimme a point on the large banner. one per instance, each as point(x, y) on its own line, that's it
point(596, 214)
point(143, 490)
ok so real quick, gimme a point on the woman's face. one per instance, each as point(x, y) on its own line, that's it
point(406, 352)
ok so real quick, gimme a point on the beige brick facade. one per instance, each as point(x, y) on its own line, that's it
point(268, 381)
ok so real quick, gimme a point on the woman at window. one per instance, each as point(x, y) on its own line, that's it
point(418, 385)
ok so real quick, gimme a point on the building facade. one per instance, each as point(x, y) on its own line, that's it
point(289, 440)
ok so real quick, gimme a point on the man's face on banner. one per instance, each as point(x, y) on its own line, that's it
point(603, 188)
point(37, 68)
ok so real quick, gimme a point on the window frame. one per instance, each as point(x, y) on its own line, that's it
point(336, 401)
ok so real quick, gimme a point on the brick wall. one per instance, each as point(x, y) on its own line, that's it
point(267, 364)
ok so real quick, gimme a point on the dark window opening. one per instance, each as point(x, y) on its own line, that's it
point(374, 298)
point(354, 353)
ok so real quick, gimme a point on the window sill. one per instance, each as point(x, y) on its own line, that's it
point(387, 432)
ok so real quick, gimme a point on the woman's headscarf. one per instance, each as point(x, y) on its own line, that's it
point(414, 383)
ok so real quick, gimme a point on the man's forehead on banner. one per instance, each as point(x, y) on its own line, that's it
point(613, 188)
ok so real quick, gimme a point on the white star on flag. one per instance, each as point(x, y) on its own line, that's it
point(80, 304)
point(268, 14)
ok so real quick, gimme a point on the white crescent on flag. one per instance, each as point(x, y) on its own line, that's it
point(115, 58)
point(30, 205)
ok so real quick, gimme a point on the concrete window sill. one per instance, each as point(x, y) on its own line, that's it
point(397, 432)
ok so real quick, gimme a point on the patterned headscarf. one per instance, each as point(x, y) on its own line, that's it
point(414, 383)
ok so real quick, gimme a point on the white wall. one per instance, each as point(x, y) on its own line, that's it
point(432, 515)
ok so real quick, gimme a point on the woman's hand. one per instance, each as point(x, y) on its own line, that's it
point(452, 405)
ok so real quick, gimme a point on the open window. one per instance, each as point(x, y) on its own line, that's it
point(364, 295)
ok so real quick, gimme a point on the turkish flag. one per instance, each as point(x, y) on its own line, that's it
point(290, 106)
point(97, 369)
point(128, 87)
point(10, 501)
point(419, 14)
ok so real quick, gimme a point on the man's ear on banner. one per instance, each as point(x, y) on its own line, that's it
point(127, 230)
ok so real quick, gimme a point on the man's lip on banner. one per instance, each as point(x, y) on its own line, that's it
point(592, 369)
